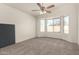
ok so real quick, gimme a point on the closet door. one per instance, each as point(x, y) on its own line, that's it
point(7, 34)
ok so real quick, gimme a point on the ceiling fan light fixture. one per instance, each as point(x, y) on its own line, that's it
point(42, 12)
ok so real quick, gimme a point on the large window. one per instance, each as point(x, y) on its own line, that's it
point(66, 24)
point(53, 25)
point(49, 25)
point(42, 25)
point(57, 25)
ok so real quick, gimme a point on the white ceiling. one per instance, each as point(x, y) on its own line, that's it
point(28, 7)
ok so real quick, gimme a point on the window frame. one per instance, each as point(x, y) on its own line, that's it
point(46, 24)
point(60, 24)
point(64, 23)
point(40, 26)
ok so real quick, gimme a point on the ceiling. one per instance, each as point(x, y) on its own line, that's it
point(28, 7)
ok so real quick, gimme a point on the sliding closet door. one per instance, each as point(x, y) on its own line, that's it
point(7, 34)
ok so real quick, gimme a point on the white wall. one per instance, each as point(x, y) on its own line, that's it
point(24, 23)
point(78, 20)
point(66, 10)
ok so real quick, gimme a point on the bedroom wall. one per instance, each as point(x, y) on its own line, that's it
point(65, 10)
point(78, 20)
point(24, 23)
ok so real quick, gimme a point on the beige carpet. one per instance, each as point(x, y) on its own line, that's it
point(41, 46)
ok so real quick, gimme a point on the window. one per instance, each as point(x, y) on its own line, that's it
point(42, 25)
point(53, 25)
point(49, 25)
point(66, 24)
point(57, 25)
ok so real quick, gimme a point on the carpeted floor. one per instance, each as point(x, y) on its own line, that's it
point(41, 46)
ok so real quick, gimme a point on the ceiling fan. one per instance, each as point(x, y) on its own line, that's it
point(44, 9)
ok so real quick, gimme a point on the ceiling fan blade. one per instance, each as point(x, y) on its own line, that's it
point(48, 11)
point(41, 6)
point(50, 6)
point(35, 10)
